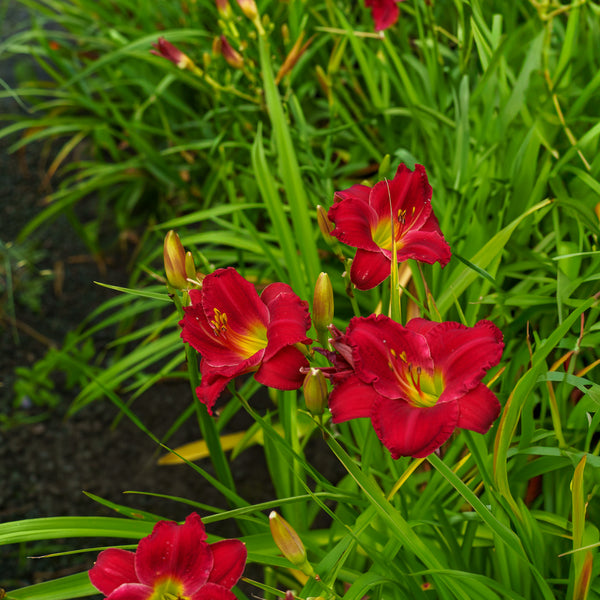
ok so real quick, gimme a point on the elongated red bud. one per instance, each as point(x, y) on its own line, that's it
point(232, 56)
point(170, 52)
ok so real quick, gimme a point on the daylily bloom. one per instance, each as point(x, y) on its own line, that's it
point(174, 561)
point(237, 331)
point(366, 218)
point(417, 383)
point(170, 52)
point(385, 12)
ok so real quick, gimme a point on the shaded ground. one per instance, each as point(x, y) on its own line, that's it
point(45, 466)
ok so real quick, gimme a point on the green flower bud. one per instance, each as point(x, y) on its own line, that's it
point(175, 262)
point(322, 314)
point(325, 225)
point(289, 543)
point(315, 391)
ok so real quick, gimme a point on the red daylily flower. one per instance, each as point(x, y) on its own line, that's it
point(417, 383)
point(174, 561)
point(364, 217)
point(237, 331)
point(385, 12)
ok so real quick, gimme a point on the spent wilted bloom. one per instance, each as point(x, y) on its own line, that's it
point(174, 561)
point(391, 213)
point(416, 383)
point(233, 57)
point(170, 52)
point(384, 12)
point(237, 331)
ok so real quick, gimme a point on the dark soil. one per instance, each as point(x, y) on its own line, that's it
point(45, 466)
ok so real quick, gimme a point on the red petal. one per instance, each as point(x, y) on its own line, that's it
point(282, 371)
point(175, 551)
point(197, 332)
point(273, 290)
point(413, 431)
point(421, 326)
point(210, 388)
point(132, 591)
point(479, 408)
point(112, 568)
point(464, 354)
point(356, 192)
point(229, 562)
point(425, 246)
point(215, 378)
point(374, 340)
point(369, 269)
point(409, 191)
point(288, 322)
point(354, 220)
point(212, 591)
point(229, 292)
point(385, 13)
point(351, 399)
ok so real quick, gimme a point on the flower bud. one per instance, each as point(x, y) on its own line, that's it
point(289, 543)
point(248, 8)
point(315, 391)
point(223, 8)
point(233, 57)
point(175, 261)
point(325, 225)
point(323, 308)
point(325, 83)
point(293, 57)
point(172, 53)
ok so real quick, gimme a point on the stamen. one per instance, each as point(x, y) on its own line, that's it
point(219, 323)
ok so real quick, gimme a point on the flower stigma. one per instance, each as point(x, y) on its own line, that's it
point(168, 589)
point(421, 388)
